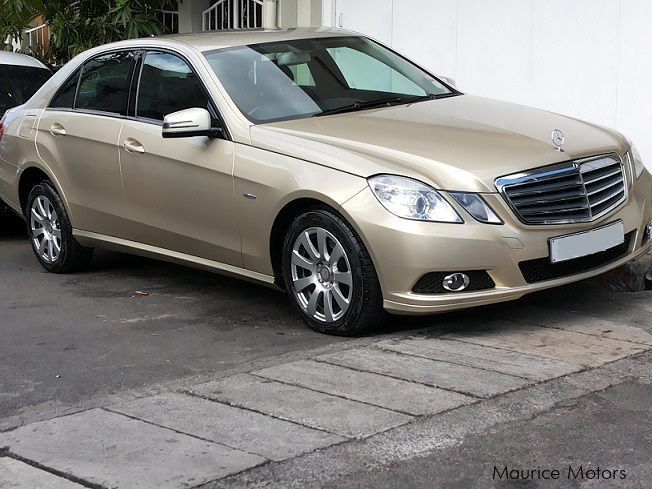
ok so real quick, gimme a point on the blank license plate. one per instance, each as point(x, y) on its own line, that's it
point(577, 245)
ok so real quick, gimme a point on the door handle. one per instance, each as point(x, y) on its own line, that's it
point(57, 129)
point(133, 146)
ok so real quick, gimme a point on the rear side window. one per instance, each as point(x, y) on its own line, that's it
point(167, 84)
point(105, 82)
point(19, 83)
point(65, 97)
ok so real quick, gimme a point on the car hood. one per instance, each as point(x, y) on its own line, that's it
point(459, 143)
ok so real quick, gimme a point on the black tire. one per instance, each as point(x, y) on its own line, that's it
point(365, 312)
point(72, 257)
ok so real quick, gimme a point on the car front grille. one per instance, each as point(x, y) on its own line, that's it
point(541, 269)
point(574, 191)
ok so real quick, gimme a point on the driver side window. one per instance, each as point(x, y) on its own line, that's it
point(167, 84)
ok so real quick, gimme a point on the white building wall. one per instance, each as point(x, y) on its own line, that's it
point(190, 15)
point(293, 13)
point(590, 59)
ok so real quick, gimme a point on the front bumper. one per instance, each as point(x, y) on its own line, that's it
point(403, 251)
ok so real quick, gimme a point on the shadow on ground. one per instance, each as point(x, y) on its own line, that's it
point(12, 228)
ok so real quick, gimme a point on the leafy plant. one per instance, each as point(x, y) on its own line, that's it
point(77, 26)
point(15, 15)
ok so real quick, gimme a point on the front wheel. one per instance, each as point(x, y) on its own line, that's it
point(330, 276)
point(50, 232)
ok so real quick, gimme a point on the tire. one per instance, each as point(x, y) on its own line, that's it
point(50, 232)
point(309, 271)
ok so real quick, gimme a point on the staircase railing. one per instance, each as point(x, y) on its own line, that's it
point(233, 14)
point(37, 39)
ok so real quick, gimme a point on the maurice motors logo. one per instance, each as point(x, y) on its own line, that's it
point(580, 473)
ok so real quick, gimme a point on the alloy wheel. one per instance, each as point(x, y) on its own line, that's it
point(322, 280)
point(45, 229)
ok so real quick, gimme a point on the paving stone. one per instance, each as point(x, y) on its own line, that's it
point(394, 394)
point(468, 380)
point(269, 437)
point(582, 323)
point(587, 350)
point(19, 475)
point(509, 362)
point(117, 451)
point(309, 408)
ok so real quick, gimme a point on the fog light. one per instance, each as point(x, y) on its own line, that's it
point(456, 282)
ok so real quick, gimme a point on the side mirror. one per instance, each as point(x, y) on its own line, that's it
point(450, 81)
point(189, 123)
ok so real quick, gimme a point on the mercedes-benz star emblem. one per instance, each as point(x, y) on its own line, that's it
point(558, 139)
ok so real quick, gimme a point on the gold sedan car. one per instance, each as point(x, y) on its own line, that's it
point(321, 162)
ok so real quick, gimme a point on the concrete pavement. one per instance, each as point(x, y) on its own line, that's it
point(312, 412)
point(397, 394)
point(71, 340)
point(602, 439)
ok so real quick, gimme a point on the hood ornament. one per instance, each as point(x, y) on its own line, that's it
point(558, 139)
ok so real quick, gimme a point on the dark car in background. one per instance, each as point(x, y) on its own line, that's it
point(20, 77)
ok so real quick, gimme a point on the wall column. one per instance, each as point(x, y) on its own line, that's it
point(301, 13)
point(328, 13)
point(270, 14)
point(190, 15)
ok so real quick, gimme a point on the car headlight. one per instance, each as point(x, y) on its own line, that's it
point(475, 205)
point(411, 199)
point(637, 162)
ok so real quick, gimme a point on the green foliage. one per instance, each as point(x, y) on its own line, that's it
point(15, 15)
point(77, 26)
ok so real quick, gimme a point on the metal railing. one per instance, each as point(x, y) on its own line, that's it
point(233, 14)
point(170, 20)
point(37, 38)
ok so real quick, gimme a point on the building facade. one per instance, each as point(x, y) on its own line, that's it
point(207, 15)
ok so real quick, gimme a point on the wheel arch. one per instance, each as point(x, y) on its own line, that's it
point(372, 294)
point(281, 224)
point(285, 217)
point(30, 176)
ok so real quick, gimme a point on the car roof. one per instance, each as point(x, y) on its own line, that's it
point(208, 41)
point(17, 59)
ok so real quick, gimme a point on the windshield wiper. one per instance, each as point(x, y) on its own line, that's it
point(385, 102)
point(429, 96)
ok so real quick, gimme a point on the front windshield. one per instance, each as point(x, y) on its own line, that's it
point(312, 77)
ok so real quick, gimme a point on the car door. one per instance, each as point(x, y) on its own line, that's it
point(78, 136)
point(179, 192)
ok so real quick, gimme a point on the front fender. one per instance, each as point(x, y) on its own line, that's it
point(266, 182)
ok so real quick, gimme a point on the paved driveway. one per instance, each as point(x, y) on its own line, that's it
point(209, 382)
point(68, 338)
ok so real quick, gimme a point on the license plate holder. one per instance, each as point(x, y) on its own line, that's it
point(578, 245)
